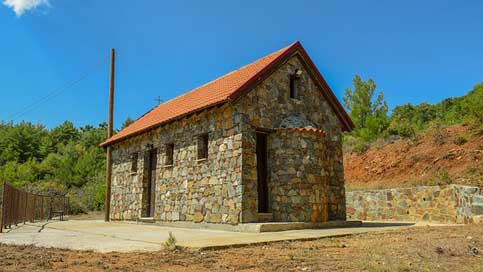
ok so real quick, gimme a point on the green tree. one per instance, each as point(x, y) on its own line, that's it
point(64, 133)
point(369, 113)
point(21, 142)
point(127, 122)
point(473, 104)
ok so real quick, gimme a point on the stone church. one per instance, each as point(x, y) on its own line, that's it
point(259, 144)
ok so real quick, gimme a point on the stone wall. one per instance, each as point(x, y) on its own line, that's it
point(298, 182)
point(445, 204)
point(190, 189)
point(269, 106)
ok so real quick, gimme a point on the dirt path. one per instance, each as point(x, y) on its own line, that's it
point(415, 249)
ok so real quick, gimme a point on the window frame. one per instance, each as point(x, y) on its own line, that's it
point(169, 154)
point(202, 151)
point(293, 87)
point(134, 162)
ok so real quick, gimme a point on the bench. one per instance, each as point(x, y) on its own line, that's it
point(59, 213)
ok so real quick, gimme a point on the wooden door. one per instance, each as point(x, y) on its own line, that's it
point(261, 150)
point(151, 183)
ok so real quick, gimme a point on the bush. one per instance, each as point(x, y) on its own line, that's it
point(361, 147)
point(459, 140)
point(438, 131)
point(473, 171)
point(90, 197)
point(442, 177)
point(354, 144)
point(170, 244)
point(75, 206)
point(401, 128)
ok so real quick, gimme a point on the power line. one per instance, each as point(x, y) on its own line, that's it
point(55, 92)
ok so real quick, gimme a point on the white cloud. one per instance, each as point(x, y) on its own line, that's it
point(21, 6)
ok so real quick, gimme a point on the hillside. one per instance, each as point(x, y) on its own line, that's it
point(444, 155)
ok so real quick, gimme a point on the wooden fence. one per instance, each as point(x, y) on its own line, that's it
point(19, 206)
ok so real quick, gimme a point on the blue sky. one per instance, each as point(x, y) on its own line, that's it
point(416, 51)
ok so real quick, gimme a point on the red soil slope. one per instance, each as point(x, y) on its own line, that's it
point(437, 157)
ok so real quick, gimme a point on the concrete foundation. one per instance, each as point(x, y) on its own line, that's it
point(261, 227)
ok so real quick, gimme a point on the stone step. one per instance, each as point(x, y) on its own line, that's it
point(147, 220)
point(265, 217)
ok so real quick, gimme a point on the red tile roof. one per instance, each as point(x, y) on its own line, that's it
point(315, 131)
point(218, 91)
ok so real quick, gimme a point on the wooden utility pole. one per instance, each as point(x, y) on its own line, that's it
point(110, 131)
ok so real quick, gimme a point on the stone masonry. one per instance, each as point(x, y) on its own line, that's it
point(269, 106)
point(305, 177)
point(297, 183)
point(190, 189)
point(444, 204)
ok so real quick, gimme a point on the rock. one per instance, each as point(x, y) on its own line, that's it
point(198, 217)
point(215, 218)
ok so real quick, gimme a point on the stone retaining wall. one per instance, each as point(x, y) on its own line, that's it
point(445, 204)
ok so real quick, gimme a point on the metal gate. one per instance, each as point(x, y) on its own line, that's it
point(19, 206)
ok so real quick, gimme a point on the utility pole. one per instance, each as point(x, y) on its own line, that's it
point(110, 131)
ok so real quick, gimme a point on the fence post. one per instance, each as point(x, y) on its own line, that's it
point(25, 195)
point(67, 212)
point(41, 208)
point(17, 207)
point(2, 220)
point(34, 208)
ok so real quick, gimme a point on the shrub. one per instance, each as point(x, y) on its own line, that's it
point(401, 128)
point(354, 144)
point(460, 140)
point(90, 197)
point(473, 171)
point(75, 207)
point(438, 132)
point(361, 147)
point(442, 177)
point(170, 244)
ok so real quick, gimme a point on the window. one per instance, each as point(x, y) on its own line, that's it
point(169, 154)
point(294, 78)
point(134, 162)
point(293, 91)
point(202, 146)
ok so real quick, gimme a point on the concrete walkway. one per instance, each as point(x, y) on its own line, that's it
point(125, 237)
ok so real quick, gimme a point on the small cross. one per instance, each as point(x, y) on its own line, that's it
point(159, 100)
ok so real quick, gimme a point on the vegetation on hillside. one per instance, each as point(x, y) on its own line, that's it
point(370, 115)
point(64, 159)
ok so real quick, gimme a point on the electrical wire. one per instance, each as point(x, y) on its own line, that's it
point(56, 92)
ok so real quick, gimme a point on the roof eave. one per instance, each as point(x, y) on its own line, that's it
point(109, 142)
